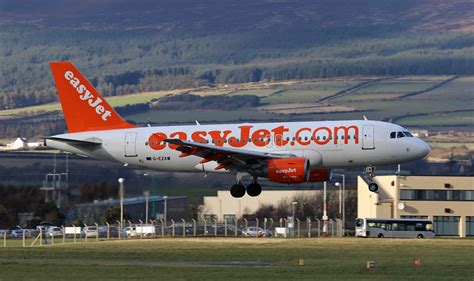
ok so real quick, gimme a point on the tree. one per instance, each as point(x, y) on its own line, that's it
point(112, 214)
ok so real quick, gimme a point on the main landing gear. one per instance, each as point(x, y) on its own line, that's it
point(370, 170)
point(238, 190)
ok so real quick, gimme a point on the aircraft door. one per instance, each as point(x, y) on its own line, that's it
point(131, 145)
point(368, 141)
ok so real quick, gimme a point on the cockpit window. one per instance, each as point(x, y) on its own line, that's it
point(400, 135)
point(393, 135)
point(408, 134)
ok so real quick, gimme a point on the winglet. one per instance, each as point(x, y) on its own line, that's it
point(83, 107)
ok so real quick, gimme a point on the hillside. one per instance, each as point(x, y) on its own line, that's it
point(186, 16)
point(127, 47)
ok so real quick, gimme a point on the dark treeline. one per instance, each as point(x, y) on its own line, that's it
point(192, 102)
point(126, 62)
point(21, 199)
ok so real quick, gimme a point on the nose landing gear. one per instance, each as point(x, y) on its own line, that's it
point(370, 170)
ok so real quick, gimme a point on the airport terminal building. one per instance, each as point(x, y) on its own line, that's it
point(446, 200)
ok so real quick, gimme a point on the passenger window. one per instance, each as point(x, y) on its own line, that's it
point(393, 135)
point(400, 135)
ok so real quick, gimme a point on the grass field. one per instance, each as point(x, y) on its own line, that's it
point(378, 100)
point(114, 101)
point(189, 116)
point(242, 259)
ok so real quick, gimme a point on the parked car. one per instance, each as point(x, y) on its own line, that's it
point(54, 231)
point(257, 232)
point(90, 231)
point(130, 231)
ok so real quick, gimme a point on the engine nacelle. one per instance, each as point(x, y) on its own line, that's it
point(288, 170)
point(294, 171)
point(319, 175)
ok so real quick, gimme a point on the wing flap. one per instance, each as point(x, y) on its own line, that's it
point(225, 156)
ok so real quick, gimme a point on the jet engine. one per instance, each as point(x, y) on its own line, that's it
point(294, 171)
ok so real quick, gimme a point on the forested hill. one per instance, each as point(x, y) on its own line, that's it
point(126, 46)
point(206, 16)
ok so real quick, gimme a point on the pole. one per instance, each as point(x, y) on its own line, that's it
point(121, 194)
point(342, 213)
point(147, 195)
point(343, 204)
point(340, 200)
point(165, 206)
point(325, 214)
point(293, 207)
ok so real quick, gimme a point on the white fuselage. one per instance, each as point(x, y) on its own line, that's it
point(337, 143)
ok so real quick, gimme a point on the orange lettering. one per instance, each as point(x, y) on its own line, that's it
point(244, 137)
point(298, 136)
point(155, 141)
point(260, 137)
point(278, 134)
point(180, 135)
point(346, 133)
point(218, 139)
point(326, 139)
point(199, 136)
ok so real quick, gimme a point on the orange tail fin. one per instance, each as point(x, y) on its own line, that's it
point(83, 107)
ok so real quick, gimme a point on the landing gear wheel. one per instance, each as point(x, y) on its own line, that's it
point(254, 189)
point(373, 187)
point(237, 190)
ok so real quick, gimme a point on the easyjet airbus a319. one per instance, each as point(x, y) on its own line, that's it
point(286, 152)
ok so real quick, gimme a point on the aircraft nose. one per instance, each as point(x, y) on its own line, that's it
point(422, 149)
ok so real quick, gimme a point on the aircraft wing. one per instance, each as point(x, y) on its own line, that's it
point(227, 157)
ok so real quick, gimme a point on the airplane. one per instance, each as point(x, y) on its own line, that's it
point(283, 152)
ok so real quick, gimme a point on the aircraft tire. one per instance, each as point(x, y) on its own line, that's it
point(373, 187)
point(237, 190)
point(254, 189)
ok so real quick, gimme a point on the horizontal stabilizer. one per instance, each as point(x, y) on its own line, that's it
point(85, 143)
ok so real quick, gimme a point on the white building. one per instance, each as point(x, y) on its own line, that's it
point(22, 143)
point(224, 206)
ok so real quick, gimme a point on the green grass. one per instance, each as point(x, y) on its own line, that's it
point(165, 116)
point(435, 120)
point(459, 89)
point(114, 101)
point(370, 101)
point(256, 92)
point(198, 258)
point(309, 92)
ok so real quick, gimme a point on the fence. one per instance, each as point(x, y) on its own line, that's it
point(179, 228)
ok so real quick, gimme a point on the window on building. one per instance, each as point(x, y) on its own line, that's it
point(209, 218)
point(436, 195)
point(229, 218)
point(470, 226)
point(446, 225)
